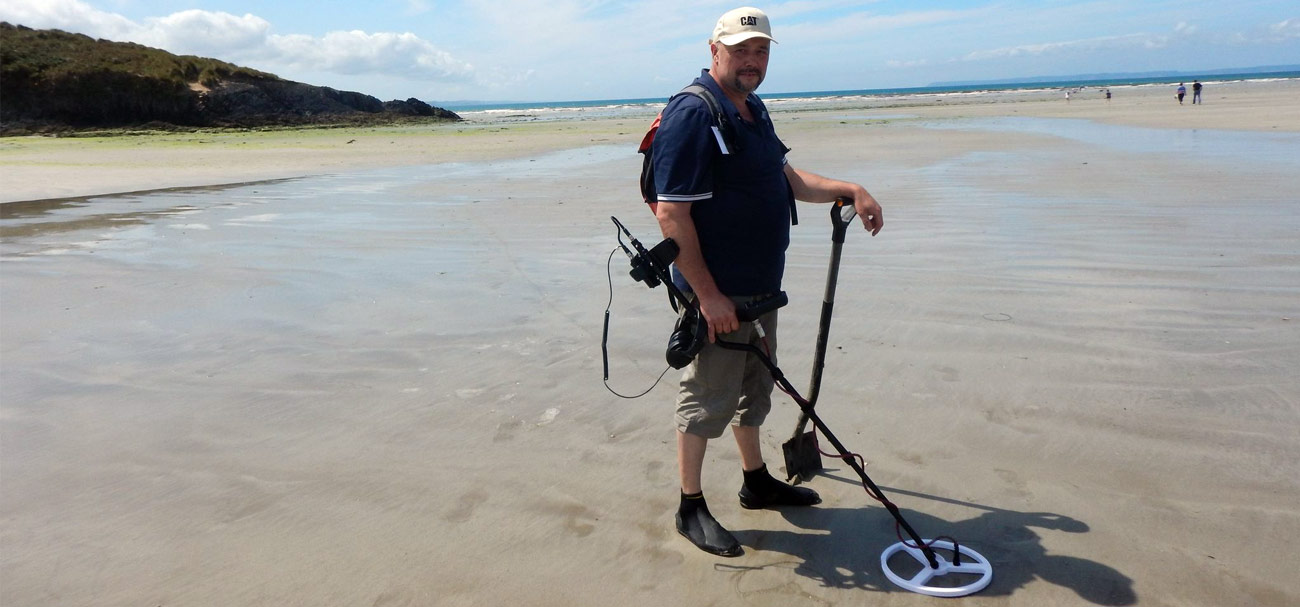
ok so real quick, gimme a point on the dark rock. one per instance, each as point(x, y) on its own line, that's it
point(415, 107)
point(55, 80)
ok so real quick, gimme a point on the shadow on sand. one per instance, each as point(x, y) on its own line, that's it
point(843, 550)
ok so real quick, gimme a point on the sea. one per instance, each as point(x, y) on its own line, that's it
point(793, 101)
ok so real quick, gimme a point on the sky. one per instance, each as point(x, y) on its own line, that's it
point(568, 50)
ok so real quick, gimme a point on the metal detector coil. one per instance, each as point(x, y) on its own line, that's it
point(972, 565)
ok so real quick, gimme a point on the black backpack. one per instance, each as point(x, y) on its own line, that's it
point(648, 193)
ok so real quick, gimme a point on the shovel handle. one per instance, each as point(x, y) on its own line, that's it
point(799, 428)
point(842, 214)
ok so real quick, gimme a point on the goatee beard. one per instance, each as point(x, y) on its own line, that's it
point(742, 87)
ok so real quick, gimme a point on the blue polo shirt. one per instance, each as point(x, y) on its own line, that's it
point(740, 199)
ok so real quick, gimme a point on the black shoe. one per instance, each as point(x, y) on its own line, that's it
point(706, 533)
point(777, 493)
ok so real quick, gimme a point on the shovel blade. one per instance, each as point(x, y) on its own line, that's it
point(802, 459)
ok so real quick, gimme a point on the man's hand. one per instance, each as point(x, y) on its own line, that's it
point(812, 187)
point(720, 312)
point(675, 222)
point(869, 210)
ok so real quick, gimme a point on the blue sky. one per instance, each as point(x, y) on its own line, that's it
point(552, 50)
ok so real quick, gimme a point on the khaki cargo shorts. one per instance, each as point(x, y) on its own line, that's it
point(724, 387)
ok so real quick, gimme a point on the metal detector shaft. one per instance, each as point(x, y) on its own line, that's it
point(845, 454)
point(853, 463)
point(842, 214)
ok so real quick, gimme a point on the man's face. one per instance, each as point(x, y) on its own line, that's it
point(741, 67)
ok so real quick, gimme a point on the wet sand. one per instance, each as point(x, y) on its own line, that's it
point(378, 381)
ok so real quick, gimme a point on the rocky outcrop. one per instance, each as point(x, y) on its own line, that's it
point(415, 107)
point(261, 100)
point(54, 80)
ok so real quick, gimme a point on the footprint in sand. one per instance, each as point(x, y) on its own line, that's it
point(465, 506)
point(507, 430)
point(579, 520)
point(1018, 485)
point(654, 471)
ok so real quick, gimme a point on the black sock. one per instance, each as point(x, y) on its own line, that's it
point(692, 502)
point(759, 479)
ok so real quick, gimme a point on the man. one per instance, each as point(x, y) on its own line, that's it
point(1196, 92)
point(727, 204)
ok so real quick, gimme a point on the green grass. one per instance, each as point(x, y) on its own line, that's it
point(54, 54)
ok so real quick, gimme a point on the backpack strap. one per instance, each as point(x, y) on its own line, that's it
point(719, 120)
point(724, 127)
point(719, 117)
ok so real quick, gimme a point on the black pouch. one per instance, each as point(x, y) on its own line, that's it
point(687, 339)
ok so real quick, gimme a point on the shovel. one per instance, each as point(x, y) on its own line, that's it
point(802, 457)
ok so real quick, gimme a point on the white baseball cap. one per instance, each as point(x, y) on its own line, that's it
point(741, 24)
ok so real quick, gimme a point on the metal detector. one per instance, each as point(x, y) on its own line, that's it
point(938, 558)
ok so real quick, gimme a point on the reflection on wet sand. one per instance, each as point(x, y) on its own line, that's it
point(36, 217)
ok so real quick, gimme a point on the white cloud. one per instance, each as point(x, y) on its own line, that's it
point(898, 64)
point(69, 15)
point(417, 7)
point(1089, 44)
point(197, 32)
point(1280, 32)
point(862, 23)
point(248, 40)
point(1285, 29)
point(357, 52)
point(779, 12)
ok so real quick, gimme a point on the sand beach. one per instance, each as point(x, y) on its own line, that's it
point(363, 366)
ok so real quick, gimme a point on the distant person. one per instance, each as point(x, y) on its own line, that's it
point(1196, 92)
point(728, 207)
point(1067, 96)
point(1107, 95)
point(1182, 91)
